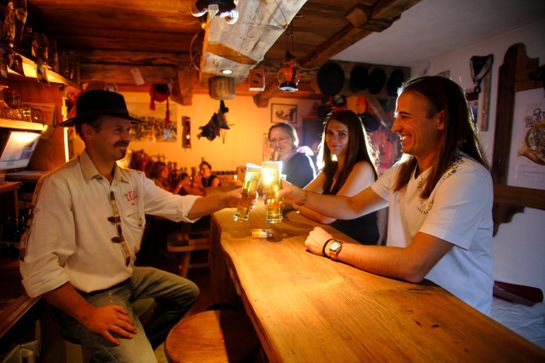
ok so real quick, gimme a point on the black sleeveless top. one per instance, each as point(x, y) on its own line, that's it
point(207, 182)
point(363, 229)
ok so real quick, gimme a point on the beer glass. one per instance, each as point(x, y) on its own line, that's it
point(252, 177)
point(270, 175)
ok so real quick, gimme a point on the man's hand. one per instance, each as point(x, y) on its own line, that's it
point(292, 194)
point(104, 320)
point(108, 320)
point(316, 239)
point(235, 198)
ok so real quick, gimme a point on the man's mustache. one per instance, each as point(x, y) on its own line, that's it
point(121, 144)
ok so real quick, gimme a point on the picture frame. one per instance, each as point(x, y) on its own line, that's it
point(284, 113)
point(509, 199)
point(154, 126)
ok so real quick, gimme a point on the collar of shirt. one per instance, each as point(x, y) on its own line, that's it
point(90, 171)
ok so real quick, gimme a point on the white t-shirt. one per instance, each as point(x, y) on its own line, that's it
point(459, 211)
point(70, 237)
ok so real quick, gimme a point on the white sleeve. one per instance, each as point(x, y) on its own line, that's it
point(160, 202)
point(51, 239)
point(384, 184)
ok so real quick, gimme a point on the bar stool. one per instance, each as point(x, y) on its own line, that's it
point(213, 336)
point(188, 240)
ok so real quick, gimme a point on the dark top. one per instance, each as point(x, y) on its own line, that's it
point(299, 170)
point(363, 229)
point(207, 182)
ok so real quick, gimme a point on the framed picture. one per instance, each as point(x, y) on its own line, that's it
point(155, 126)
point(284, 113)
point(518, 159)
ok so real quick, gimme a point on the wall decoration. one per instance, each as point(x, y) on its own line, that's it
point(473, 103)
point(284, 113)
point(155, 127)
point(517, 74)
point(527, 156)
point(186, 132)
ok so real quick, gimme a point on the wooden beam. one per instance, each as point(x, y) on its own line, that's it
point(262, 99)
point(121, 74)
point(133, 58)
point(364, 21)
point(259, 26)
point(183, 90)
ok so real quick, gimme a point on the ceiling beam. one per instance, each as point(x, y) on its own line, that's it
point(121, 74)
point(243, 45)
point(363, 21)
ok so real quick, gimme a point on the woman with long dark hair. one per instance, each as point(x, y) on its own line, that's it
point(348, 166)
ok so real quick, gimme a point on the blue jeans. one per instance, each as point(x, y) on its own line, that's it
point(174, 296)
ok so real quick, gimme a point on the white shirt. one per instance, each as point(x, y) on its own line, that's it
point(70, 235)
point(459, 211)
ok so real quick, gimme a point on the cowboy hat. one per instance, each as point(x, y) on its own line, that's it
point(97, 103)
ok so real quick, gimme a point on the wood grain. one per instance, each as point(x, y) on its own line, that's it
point(306, 308)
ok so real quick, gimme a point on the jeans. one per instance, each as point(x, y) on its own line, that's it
point(174, 296)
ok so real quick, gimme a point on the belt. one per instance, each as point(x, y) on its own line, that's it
point(96, 292)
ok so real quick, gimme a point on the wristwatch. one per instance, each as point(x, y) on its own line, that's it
point(334, 248)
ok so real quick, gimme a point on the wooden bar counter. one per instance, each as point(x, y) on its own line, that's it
point(307, 308)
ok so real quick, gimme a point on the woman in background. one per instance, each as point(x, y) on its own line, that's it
point(159, 174)
point(186, 186)
point(297, 166)
point(207, 178)
point(348, 168)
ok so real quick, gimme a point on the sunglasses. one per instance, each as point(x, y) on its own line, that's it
point(116, 219)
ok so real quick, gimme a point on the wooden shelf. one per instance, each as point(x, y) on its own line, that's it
point(22, 125)
point(29, 68)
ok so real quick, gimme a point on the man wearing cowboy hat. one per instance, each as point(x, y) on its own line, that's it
point(89, 217)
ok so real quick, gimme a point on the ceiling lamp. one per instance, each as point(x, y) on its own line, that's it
point(287, 76)
point(226, 9)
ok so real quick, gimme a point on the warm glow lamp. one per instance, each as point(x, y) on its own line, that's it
point(287, 76)
point(226, 9)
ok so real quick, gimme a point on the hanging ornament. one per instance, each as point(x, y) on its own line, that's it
point(480, 67)
point(160, 93)
point(217, 123)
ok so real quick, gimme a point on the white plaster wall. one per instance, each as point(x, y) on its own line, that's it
point(519, 246)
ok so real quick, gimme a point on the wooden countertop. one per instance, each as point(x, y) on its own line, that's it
point(307, 308)
point(14, 302)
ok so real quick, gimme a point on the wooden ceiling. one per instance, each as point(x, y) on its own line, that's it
point(167, 44)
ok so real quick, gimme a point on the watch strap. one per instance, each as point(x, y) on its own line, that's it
point(325, 245)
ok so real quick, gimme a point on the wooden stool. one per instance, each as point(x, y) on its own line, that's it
point(213, 336)
point(185, 243)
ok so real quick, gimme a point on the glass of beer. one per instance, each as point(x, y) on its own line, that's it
point(252, 177)
point(271, 179)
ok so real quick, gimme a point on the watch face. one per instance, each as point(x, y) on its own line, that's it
point(335, 246)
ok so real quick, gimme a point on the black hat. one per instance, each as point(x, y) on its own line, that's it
point(330, 79)
point(359, 78)
point(376, 80)
point(395, 81)
point(98, 102)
